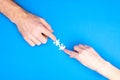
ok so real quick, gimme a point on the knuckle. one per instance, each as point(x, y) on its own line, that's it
point(26, 33)
point(34, 31)
point(80, 45)
point(39, 26)
point(25, 36)
point(83, 51)
point(75, 47)
point(41, 19)
point(49, 33)
point(92, 49)
point(89, 48)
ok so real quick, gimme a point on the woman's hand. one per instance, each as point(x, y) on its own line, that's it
point(34, 30)
point(90, 58)
point(87, 56)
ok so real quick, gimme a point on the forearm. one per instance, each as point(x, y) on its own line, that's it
point(109, 71)
point(11, 10)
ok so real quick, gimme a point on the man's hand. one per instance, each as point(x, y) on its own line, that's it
point(34, 30)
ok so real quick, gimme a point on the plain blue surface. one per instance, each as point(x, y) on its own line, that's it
point(92, 22)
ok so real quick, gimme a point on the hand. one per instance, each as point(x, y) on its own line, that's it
point(34, 30)
point(90, 58)
point(87, 56)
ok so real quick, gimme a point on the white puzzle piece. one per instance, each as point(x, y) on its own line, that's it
point(60, 45)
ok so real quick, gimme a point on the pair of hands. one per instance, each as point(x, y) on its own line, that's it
point(36, 31)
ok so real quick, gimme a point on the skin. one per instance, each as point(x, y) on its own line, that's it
point(35, 30)
point(90, 58)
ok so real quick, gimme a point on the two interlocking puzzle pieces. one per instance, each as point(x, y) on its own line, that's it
point(59, 44)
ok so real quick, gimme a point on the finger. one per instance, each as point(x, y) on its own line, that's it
point(91, 50)
point(87, 46)
point(77, 48)
point(35, 40)
point(40, 37)
point(29, 41)
point(46, 24)
point(71, 53)
point(43, 38)
point(82, 46)
point(49, 34)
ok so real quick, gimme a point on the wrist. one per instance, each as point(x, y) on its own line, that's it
point(20, 15)
point(109, 71)
point(12, 10)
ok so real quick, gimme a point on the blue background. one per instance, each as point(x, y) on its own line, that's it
point(92, 22)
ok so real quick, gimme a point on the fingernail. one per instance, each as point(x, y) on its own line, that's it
point(33, 45)
point(39, 44)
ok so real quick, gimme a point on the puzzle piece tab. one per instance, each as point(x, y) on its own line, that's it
point(60, 45)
